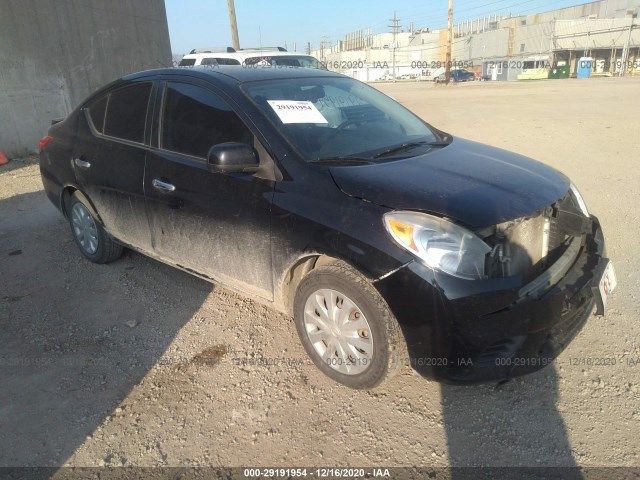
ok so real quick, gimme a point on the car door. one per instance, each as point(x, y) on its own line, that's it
point(215, 224)
point(109, 160)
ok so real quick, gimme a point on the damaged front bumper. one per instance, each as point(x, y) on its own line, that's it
point(461, 331)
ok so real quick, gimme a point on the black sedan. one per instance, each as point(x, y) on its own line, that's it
point(389, 241)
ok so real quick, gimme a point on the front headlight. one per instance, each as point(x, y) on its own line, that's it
point(579, 200)
point(440, 244)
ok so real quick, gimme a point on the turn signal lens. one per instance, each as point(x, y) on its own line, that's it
point(402, 232)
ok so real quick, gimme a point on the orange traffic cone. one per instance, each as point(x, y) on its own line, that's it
point(3, 158)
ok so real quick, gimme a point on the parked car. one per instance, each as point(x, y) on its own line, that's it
point(249, 57)
point(457, 75)
point(389, 241)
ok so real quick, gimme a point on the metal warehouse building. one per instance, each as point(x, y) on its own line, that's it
point(502, 48)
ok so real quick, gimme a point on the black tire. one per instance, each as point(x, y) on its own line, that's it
point(388, 342)
point(106, 248)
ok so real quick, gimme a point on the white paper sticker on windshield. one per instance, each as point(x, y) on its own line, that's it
point(293, 111)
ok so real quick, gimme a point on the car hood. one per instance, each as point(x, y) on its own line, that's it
point(472, 183)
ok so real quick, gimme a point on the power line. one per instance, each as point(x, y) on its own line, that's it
point(442, 17)
point(534, 36)
point(512, 7)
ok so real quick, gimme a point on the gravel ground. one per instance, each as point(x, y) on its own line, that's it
point(139, 364)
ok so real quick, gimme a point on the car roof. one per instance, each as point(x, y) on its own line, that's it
point(237, 74)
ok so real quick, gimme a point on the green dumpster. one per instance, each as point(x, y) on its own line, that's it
point(559, 72)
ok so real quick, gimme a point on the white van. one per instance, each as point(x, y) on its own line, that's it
point(265, 56)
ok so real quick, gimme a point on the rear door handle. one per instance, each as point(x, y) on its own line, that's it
point(81, 163)
point(164, 186)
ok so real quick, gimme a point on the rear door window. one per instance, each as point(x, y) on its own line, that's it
point(194, 119)
point(187, 62)
point(127, 112)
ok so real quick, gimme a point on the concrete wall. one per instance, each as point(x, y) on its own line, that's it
point(54, 53)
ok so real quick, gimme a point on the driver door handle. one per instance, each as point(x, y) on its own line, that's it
point(163, 186)
point(81, 163)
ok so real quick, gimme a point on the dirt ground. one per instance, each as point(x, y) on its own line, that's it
point(138, 364)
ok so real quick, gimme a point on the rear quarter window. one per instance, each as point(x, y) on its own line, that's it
point(227, 61)
point(187, 62)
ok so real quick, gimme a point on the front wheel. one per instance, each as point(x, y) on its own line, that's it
point(94, 243)
point(347, 328)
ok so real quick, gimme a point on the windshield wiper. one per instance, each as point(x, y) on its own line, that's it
point(368, 160)
point(410, 145)
point(342, 159)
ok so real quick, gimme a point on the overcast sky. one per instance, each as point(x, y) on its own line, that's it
point(205, 23)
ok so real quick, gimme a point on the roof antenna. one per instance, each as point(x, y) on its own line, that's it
point(260, 37)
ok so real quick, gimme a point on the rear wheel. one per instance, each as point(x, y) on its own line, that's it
point(90, 237)
point(346, 327)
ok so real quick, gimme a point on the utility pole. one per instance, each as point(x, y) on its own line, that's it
point(625, 51)
point(322, 48)
point(234, 25)
point(394, 26)
point(447, 67)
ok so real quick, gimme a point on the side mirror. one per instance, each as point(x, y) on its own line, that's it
point(232, 157)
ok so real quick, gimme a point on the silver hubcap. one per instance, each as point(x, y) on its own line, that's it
point(338, 331)
point(84, 228)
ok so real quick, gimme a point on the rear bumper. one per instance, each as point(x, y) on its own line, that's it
point(461, 331)
point(51, 184)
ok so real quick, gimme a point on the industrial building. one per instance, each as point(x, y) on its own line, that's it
point(499, 47)
point(54, 53)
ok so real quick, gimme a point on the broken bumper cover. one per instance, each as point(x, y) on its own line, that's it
point(460, 331)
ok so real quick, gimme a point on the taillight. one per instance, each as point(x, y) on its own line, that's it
point(44, 142)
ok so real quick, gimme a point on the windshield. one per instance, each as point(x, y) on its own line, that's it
point(305, 61)
point(329, 118)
